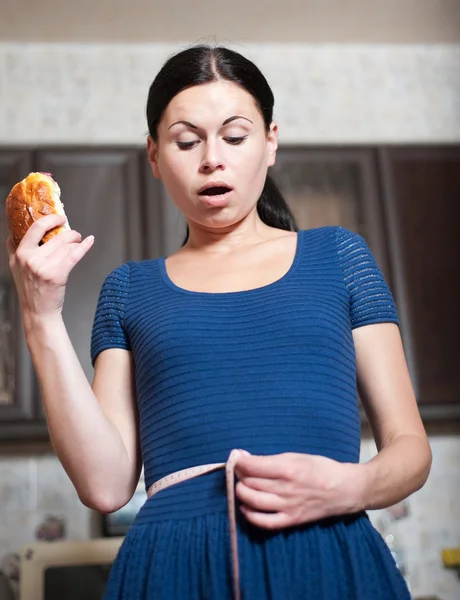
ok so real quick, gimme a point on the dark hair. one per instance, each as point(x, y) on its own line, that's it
point(204, 64)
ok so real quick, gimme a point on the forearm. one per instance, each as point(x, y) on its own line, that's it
point(398, 470)
point(86, 442)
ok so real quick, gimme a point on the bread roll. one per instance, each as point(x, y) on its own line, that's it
point(34, 197)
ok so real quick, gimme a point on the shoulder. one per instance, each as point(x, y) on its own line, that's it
point(116, 283)
point(125, 271)
point(336, 238)
point(120, 273)
point(346, 238)
point(345, 244)
point(335, 233)
point(126, 283)
point(347, 249)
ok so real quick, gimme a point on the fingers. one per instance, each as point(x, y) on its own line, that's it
point(257, 500)
point(274, 486)
point(263, 509)
point(272, 521)
point(11, 248)
point(78, 253)
point(270, 467)
point(57, 241)
point(38, 229)
point(67, 255)
point(55, 258)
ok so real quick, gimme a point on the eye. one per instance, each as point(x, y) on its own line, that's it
point(235, 140)
point(187, 145)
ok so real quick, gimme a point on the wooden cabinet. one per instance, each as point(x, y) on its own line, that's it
point(403, 201)
point(421, 194)
point(101, 192)
point(17, 385)
point(327, 186)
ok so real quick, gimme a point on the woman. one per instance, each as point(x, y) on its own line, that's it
point(252, 336)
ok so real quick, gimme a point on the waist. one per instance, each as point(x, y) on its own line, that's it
point(203, 496)
point(186, 500)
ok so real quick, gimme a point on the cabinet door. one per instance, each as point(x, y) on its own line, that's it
point(422, 193)
point(100, 190)
point(330, 186)
point(17, 389)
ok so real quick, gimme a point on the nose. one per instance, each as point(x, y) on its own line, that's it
point(211, 160)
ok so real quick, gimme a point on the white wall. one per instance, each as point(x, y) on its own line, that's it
point(324, 94)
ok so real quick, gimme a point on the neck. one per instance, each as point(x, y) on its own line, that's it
point(247, 232)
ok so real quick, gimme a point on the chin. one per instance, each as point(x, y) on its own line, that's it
point(222, 220)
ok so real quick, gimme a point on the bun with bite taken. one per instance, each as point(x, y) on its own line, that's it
point(32, 198)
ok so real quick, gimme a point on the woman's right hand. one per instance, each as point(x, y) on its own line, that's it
point(41, 272)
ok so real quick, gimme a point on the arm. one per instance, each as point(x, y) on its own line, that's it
point(93, 431)
point(403, 462)
point(404, 459)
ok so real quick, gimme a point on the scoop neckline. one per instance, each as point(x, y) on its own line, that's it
point(170, 283)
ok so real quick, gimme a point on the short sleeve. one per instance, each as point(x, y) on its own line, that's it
point(108, 326)
point(371, 300)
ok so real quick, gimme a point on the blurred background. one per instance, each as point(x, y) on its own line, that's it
point(367, 99)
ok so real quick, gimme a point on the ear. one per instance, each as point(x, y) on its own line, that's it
point(152, 152)
point(272, 144)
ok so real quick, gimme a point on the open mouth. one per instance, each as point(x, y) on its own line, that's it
point(215, 191)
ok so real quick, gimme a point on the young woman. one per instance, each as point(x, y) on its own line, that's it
point(253, 336)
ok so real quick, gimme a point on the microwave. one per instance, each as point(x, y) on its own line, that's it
point(67, 569)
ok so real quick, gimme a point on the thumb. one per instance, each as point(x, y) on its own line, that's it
point(11, 248)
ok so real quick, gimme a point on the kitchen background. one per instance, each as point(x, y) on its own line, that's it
point(358, 76)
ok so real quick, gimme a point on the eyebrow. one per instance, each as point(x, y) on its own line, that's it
point(226, 122)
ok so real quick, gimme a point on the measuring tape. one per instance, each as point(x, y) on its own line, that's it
point(192, 472)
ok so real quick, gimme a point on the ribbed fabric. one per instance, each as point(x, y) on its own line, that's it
point(270, 370)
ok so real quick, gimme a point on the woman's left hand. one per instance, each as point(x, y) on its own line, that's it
point(289, 489)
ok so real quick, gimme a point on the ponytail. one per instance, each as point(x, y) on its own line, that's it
point(272, 208)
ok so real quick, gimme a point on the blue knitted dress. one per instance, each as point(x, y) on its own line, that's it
point(270, 370)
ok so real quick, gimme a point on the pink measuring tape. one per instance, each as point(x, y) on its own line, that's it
point(192, 472)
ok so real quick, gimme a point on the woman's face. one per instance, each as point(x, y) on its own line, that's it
point(213, 135)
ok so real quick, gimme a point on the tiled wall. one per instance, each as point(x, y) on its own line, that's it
point(35, 488)
point(31, 489)
point(83, 94)
point(37, 503)
point(432, 521)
